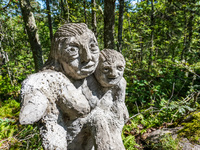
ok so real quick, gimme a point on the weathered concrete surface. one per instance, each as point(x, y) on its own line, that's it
point(102, 128)
point(76, 109)
point(42, 94)
point(42, 91)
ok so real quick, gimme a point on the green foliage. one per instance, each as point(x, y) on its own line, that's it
point(15, 136)
point(129, 139)
point(10, 109)
point(16, 58)
point(162, 64)
point(166, 142)
point(7, 89)
point(129, 142)
point(135, 128)
point(191, 129)
point(166, 75)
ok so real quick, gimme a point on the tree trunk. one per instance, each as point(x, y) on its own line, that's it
point(49, 19)
point(33, 36)
point(120, 24)
point(94, 21)
point(109, 22)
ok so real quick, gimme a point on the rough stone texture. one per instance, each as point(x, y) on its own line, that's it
point(102, 127)
point(41, 92)
point(157, 134)
point(184, 143)
point(76, 109)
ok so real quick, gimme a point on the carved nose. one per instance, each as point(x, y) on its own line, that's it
point(86, 55)
point(113, 74)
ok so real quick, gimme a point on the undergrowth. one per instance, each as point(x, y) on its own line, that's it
point(166, 142)
point(148, 120)
point(191, 129)
point(14, 136)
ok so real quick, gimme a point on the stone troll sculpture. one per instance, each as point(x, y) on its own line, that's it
point(78, 96)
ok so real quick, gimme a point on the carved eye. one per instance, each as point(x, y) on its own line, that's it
point(94, 47)
point(105, 69)
point(120, 68)
point(72, 50)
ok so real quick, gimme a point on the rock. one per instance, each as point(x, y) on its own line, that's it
point(154, 138)
point(186, 145)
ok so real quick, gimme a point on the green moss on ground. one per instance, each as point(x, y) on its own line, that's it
point(191, 129)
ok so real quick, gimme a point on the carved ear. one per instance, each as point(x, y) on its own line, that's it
point(102, 56)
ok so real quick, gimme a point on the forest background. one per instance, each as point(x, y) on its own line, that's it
point(159, 40)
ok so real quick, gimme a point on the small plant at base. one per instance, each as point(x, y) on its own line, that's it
point(166, 142)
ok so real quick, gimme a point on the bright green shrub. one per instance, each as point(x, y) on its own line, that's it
point(15, 136)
